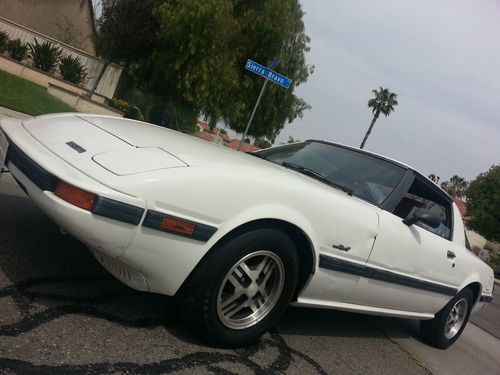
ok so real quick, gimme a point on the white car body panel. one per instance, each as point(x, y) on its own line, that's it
point(407, 251)
point(167, 172)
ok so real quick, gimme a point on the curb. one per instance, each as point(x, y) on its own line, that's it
point(497, 282)
point(6, 112)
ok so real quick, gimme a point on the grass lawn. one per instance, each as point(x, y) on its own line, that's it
point(24, 96)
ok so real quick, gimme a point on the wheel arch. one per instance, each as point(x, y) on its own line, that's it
point(305, 248)
point(476, 290)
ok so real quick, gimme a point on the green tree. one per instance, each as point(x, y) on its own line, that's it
point(126, 33)
point(267, 30)
point(483, 203)
point(434, 178)
point(456, 186)
point(127, 30)
point(262, 143)
point(383, 102)
point(292, 140)
point(195, 52)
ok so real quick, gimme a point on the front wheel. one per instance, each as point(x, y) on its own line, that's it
point(449, 323)
point(242, 288)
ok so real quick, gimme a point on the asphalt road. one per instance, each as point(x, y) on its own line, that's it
point(61, 313)
point(489, 318)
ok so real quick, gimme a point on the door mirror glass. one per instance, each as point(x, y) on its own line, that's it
point(421, 215)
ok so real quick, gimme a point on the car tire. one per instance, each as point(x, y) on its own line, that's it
point(448, 324)
point(241, 289)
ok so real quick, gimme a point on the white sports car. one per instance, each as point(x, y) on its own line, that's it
point(237, 237)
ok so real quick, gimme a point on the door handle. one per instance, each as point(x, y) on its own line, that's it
point(450, 255)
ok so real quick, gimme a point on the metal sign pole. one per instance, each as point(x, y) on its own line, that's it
point(253, 113)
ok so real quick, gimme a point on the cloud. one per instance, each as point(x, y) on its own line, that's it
point(442, 60)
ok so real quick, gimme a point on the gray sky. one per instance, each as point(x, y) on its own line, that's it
point(442, 58)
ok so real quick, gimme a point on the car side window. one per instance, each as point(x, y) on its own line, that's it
point(421, 195)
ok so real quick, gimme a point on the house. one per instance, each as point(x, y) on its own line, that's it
point(69, 21)
point(462, 207)
point(245, 147)
point(214, 135)
point(205, 136)
point(219, 136)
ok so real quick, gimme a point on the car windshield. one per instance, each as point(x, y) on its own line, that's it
point(368, 177)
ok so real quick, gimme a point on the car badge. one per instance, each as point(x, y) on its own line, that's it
point(76, 147)
point(341, 247)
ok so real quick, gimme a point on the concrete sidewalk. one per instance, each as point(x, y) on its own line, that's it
point(5, 112)
point(476, 352)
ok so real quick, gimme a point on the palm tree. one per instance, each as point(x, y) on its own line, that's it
point(384, 102)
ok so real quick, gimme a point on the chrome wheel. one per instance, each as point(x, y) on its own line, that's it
point(250, 290)
point(456, 318)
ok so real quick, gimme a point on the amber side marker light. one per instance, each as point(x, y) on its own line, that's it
point(177, 226)
point(75, 196)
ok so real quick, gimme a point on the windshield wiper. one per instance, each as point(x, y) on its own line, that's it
point(316, 175)
point(257, 155)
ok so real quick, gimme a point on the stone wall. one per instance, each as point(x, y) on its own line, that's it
point(81, 104)
point(93, 64)
point(41, 78)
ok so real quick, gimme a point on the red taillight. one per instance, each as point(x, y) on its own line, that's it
point(177, 226)
point(75, 196)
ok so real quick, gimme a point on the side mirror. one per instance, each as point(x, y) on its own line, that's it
point(424, 216)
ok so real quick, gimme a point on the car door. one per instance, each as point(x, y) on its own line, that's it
point(349, 241)
point(411, 268)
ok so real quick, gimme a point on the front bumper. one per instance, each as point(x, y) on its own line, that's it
point(141, 257)
point(98, 231)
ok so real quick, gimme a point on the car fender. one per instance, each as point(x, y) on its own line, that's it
point(262, 212)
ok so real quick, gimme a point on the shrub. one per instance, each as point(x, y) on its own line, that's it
point(494, 261)
point(72, 70)
point(119, 104)
point(45, 56)
point(131, 111)
point(476, 250)
point(4, 41)
point(17, 50)
point(489, 246)
point(134, 113)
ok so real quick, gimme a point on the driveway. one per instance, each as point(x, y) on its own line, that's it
point(60, 313)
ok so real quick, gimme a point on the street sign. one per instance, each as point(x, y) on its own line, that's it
point(267, 73)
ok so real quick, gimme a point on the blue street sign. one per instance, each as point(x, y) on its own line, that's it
point(268, 74)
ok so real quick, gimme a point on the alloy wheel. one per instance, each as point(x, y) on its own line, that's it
point(250, 290)
point(456, 318)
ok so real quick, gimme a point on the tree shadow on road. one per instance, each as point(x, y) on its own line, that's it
point(45, 277)
point(52, 269)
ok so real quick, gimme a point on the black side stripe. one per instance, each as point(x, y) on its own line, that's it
point(486, 299)
point(117, 210)
point(39, 176)
point(339, 265)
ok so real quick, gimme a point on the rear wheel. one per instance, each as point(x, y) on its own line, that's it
point(242, 288)
point(449, 323)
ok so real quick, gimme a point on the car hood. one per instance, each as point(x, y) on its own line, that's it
point(100, 145)
point(112, 143)
point(191, 150)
